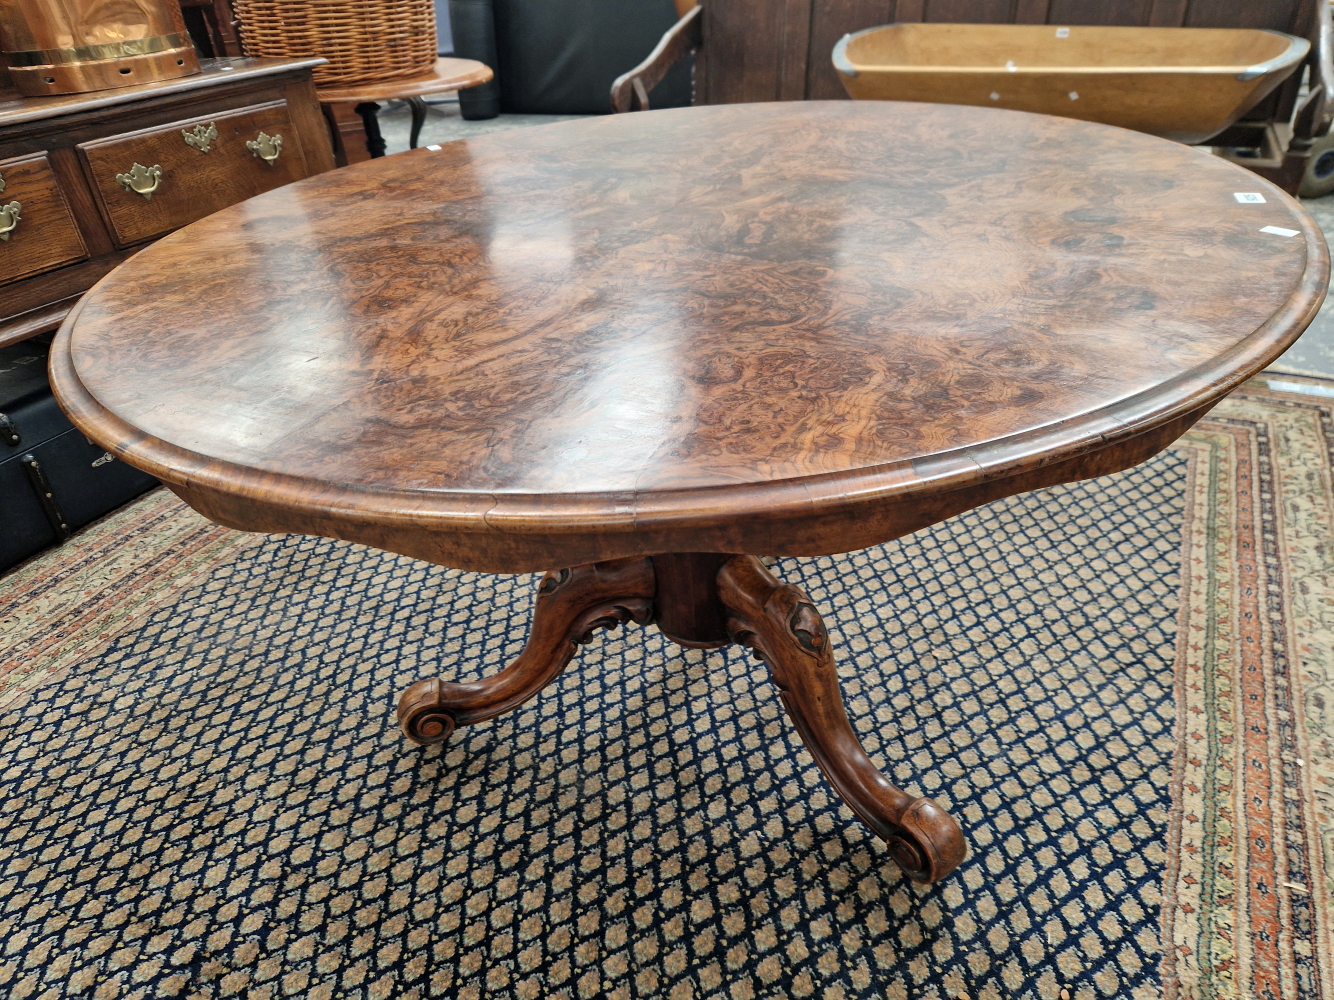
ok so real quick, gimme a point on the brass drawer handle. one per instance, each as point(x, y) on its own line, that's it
point(201, 137)
point(9, 219)
point(266, 147)
point(141, 180)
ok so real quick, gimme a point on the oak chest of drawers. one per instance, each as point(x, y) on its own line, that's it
point(87, 180)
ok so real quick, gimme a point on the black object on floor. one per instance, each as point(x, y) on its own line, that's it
point(52, 480)
point(473, 27)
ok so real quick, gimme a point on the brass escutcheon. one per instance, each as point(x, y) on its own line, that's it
point(9, 219)
point(266, 147)
point(201, 137)
point(2, 185)
point(141, 180)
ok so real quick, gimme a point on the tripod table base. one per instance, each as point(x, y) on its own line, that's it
point(705, 600)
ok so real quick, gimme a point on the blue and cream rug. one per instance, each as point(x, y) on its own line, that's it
point(1124, 689)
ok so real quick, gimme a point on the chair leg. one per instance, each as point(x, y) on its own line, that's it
point(418, 108)
point(374, 140)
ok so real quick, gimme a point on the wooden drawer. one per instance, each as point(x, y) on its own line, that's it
point(189, 182)
point(45, 236)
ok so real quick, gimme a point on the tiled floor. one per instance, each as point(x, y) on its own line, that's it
point(1313, 354)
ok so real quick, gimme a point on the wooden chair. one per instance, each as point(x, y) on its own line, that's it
point(629, 92)
point(759, 50)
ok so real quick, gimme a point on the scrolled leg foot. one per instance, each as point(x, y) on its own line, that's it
point(781, 624)
point(571, 605)
point(421, 714)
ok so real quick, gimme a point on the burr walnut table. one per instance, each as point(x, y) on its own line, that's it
point(647, 349)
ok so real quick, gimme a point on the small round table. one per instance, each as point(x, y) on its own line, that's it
point(647, 349)
point(447, 74)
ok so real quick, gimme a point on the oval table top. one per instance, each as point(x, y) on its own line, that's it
point(788, 328)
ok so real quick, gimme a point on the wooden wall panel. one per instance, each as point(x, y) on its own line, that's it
point(1031, 11)
point(969, 11)
point(1101, 11)
point(743, 42)
point(1168, 13)
point(796, 49)
point(1280, 15)
point(830, 21)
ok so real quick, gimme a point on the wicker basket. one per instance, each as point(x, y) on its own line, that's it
point(364, 40)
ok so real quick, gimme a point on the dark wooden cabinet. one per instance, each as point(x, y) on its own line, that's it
point(70, 164)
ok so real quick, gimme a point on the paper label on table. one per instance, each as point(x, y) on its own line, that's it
point(434, 149)
point(1280, 231)
point(1249, 197)
point(1062, 32)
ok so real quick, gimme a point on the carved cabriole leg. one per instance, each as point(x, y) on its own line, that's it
point(571, 604)
point(781, 624)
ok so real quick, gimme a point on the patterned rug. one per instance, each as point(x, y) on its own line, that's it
point(1122, 688)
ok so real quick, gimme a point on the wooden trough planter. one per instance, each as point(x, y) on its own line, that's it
point(1187, 84)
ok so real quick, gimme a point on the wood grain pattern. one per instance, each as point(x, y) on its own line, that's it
point(45, 236)
point(1279, 15)
point(830, 21)
point(1031, 11)
point(686, 605)
point(1103, 12)
point(193, 183)
point(1168, 13)
point(786, 329)
point(736, 68)
point(54, 127)
point(967, 11)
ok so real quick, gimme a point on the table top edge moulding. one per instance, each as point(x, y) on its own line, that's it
point(511, 530)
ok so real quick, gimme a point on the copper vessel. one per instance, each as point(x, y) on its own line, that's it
point(73, 46)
